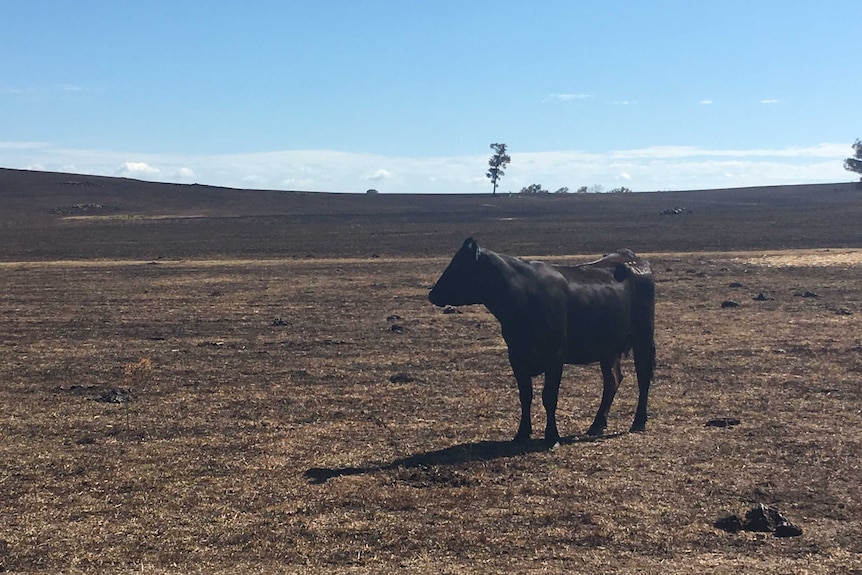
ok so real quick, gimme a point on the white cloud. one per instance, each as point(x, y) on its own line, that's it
point(70, 88)
point(568, 97)
point(380, 175)
point(642, 169)
point(23, 145)
point(136, 170)
point(770, 101)
point(663, 152)
point(706, 102)
point(61, 90)
point(298, 183)
point(254, 180)
point(13, 90)
point(657, 152)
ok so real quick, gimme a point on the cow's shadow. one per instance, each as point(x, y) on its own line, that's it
point(454, 455)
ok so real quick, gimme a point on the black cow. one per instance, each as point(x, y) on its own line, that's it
point(555, 315)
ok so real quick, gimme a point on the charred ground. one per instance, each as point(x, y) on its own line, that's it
point(206, 380)
point(65, 216)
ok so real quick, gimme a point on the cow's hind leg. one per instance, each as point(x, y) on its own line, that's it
point(644, 366)
point(611, 376)
point(550, 393)
point(525, 392)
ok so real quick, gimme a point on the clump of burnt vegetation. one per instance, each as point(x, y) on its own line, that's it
point(84, 209)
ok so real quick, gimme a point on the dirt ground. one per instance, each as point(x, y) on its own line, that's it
point(225, 411)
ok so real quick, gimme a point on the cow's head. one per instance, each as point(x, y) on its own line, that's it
point(460, 282)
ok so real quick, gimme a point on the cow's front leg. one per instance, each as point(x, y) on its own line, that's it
point(611, 376)
point(525, 392)
point(550, 393)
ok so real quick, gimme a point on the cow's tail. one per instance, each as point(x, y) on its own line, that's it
point(644, 324)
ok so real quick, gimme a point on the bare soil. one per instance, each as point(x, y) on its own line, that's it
point(198, 380)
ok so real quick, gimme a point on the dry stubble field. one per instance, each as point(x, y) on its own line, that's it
point(305, 414)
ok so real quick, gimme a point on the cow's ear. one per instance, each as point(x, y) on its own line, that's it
point(472, 247)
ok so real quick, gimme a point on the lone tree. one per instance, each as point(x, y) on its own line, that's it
point(498, 162)
point(854, 164)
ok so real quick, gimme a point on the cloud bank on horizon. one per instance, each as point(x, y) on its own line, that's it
point(655, 168)
point(407, 96)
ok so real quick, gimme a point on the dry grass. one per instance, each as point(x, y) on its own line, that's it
point(320, 415)
point(806, 258)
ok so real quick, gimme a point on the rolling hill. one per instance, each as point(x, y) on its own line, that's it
point(48, 216)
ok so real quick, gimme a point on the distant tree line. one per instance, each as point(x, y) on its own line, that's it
point(534, 189)
point(500, 159)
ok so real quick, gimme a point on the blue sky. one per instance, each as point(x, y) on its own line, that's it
point(405, 96)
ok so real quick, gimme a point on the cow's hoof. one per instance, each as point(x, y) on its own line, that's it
point(522, 438)
point(596, 431)
point(638, 428)
point(552, 441)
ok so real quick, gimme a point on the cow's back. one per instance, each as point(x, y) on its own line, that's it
point(611, 303)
